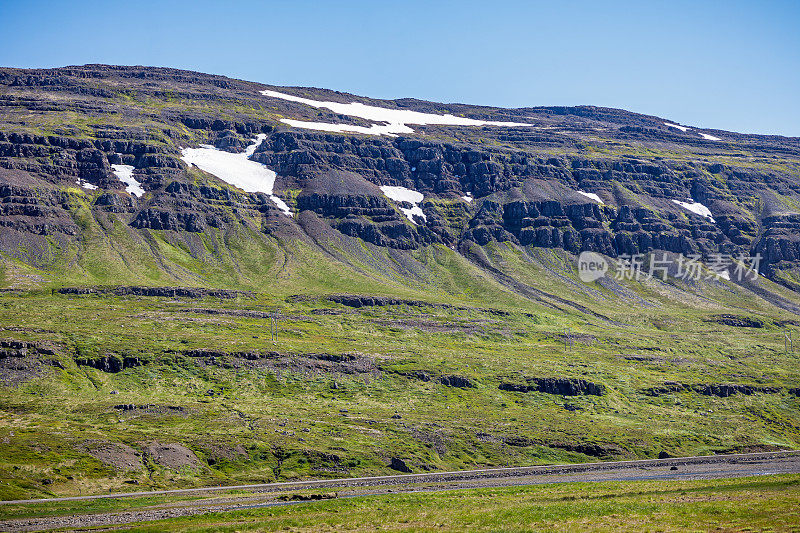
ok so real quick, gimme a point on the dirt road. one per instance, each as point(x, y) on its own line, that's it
point(266, 495)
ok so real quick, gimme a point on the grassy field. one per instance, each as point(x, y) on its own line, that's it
point(375, 392)
point(767, 503)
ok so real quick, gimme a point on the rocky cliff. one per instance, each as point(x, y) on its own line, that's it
point(579, 178)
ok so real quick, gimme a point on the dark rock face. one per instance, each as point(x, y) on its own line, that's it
point(39, 212)
point(164, 292)
point(456, 381)
point(738, 321)
point(110, 363)
point(64, 160)
point(18, 349)
point(356, 207)
point(151, 407)
point(591, 449)
point(399, 465)
point(21, 361)
point(723, 390)
point(551, 221)
point(560, 386)
point(187, 207)
point(518, 387)
point(779, 246)
point(354, 300)
point(569, 386)
point(116, 203)
point(358, 301)
point(346, 363)
point(575, 223)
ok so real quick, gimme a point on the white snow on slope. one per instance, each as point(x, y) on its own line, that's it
point(251, 149)
point(236, 169)
point(684, 129)
point(281, 204)
point(671, 125)
point(593, 196)
point(468, 198)
point(396, 119)
point(86, 184)
point(375, 129)
point(401, 194)
point(124, 173)
point(696, 207)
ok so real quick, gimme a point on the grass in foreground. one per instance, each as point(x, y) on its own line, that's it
point(756, 503)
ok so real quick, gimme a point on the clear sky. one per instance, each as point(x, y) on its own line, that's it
point(731, 65)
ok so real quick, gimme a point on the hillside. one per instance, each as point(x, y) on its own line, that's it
point(421, 260)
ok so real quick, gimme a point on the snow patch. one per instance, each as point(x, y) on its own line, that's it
point(281, 204)
point(671, 125)
point(124, 173)
point(236, 169)
point(251, 149)
point(468, 198)
point(86, 184)
point(396, 120)
point(593, 196)
point(684, 129)
point(376, 129)
point(696, 207)
point(401, 194)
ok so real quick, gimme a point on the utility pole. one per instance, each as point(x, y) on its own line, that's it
point(274, 327)
point(567, 339)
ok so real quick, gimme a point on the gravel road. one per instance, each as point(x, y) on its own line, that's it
point(266, 495)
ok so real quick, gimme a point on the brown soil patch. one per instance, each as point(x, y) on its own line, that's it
point(119, 456)
point(174, 455)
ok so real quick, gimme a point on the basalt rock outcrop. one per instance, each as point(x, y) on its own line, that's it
point(164, 292)
point(346, 363)
point(738, 321)
point(560, 386)
point(21, 360)
point(18, 349)
point(358, 301)
point(358, 208)
point(460, 382)
point(723, 390)
point(110, 363)
point(480, 184)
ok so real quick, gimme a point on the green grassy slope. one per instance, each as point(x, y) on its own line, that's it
point(294, 414)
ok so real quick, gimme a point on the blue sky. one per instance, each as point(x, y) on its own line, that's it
point(731, 65)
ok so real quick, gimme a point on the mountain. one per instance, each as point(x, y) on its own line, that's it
point(64, 129)
point(421, 259)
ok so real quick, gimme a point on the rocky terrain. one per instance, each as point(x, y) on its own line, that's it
point(61, 130)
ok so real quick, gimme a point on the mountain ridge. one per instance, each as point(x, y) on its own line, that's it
point(525, 180)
